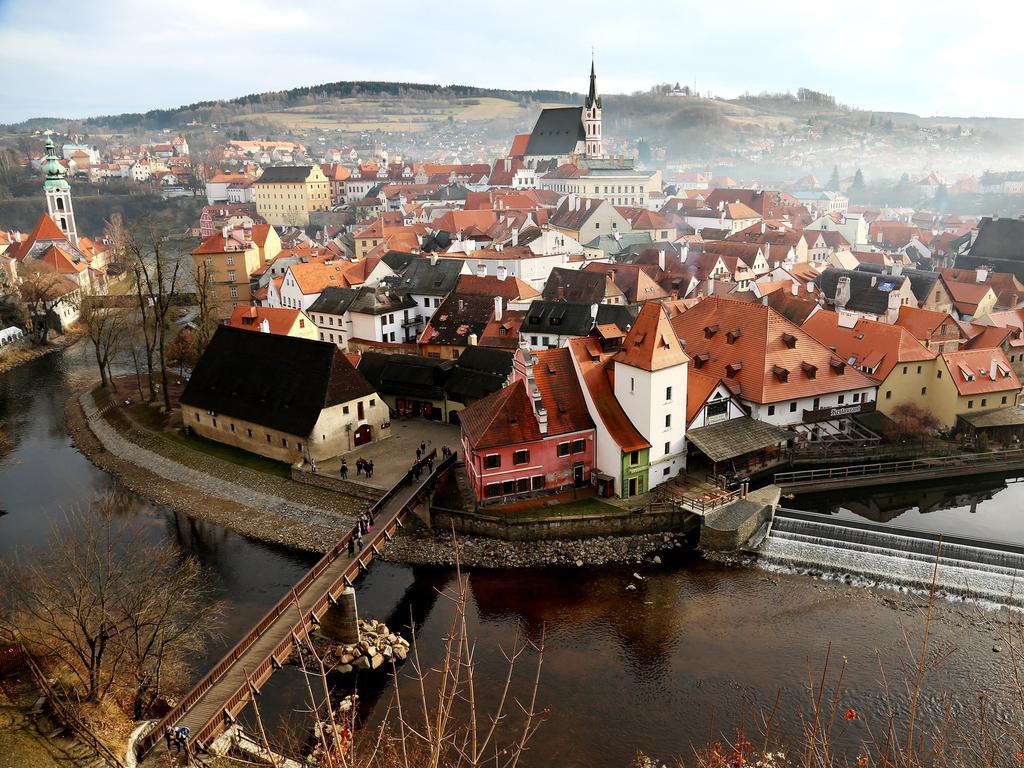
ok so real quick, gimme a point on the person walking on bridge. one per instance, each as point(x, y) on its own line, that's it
point(352, 542)
point(344, 470)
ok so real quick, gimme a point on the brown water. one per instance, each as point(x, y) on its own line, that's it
point(693, 651)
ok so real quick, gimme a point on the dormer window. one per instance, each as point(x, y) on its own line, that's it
point(732, 369)
point(810, 370)
point(839, 366)
point(701, 359)
point(789, 340)
point(782, 374)
point(710, 330)
point(731, 336)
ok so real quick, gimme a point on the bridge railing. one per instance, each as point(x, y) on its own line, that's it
point(898, 467)
point(285, 603)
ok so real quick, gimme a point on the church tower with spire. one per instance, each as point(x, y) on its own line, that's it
point(58, 194)
point(592, 118)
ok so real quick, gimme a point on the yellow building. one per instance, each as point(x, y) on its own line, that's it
point(903, 367)
point(267, 240)
point(225, 261)
point(287, 194)
point(969, 381)
point(279, 320)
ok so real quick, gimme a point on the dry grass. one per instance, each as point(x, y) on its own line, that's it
point(367, 114)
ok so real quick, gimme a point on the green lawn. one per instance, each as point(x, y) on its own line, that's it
point(591, 506)
point(231, 454)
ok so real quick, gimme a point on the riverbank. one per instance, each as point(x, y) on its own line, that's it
point(203, 487)
point(419, 545)
point(19, 357)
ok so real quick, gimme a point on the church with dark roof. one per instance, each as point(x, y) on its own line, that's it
point(562, 133)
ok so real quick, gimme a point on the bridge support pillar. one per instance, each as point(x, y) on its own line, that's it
point(341, 622)
point(422, 510)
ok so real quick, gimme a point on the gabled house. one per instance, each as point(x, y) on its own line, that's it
point(286, 322)
point(780, 373)
point(938, 331)
point(973, 380)
point(315, 407)
point(535, 436)
point(901, 365)
point(549, 324)
point(635, 391)
point(874, 296)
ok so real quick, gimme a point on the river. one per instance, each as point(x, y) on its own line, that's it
point(693, 651)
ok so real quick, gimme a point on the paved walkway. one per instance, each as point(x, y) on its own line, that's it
point(333, 510)
point(392, 457)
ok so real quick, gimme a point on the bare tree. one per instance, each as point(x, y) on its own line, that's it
point(208, 314)
point(156, 269)
point(107, 329)
point(118, 611)
point(42, 290)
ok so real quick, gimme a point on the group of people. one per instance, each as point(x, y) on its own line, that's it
point(364, 524)
point(178, 736)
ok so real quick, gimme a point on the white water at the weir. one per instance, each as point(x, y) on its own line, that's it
point(903, 559)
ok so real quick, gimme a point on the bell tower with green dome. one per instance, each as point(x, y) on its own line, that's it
point(58, 194)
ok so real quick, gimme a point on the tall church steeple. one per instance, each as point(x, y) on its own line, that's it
point(592, 117)
point(58, 194)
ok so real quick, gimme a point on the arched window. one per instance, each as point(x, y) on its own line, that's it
point(60, 203)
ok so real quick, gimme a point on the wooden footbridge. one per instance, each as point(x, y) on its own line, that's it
point(909, 471)
point(216, 700)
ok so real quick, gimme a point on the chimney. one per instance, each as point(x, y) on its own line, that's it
point(982, 274)
point(264, 326)
point(661, 260)
point(515, 238)
point(433, 258)
point(992, 369)
point(471, 340)
point(842, 291)
point(794, 289)
point(462, 305)
point(502, 271)
point(542, 419)
point(587, 203)
point(497, 309)
point(593, 312)
point(711, 286)
point(224, 231)
point(481, 270)
point(762, 227)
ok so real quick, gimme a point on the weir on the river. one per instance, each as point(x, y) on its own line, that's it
point(969, 567)
point(216, 700)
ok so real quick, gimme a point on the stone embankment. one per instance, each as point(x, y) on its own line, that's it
point(421, 546)
point(201, 486)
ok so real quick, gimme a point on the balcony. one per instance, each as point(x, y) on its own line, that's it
point(834, 412)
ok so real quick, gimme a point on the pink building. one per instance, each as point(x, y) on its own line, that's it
point(532, 437)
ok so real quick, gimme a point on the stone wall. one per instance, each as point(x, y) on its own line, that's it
point(662, 519)
point(729, 528)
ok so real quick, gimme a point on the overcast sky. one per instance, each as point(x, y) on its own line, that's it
point(74, 59)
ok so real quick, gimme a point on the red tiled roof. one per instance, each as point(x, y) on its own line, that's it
point(922, 323)
point(966, 366)
point(279, 319)
point(560, 392)
point(651, 344)
point(504, 417)
point(594, 367)
point(511, 288)
point(762, 341)
point(699, 387)
point(869, 344)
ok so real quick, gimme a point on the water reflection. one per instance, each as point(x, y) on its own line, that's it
point(985, 507)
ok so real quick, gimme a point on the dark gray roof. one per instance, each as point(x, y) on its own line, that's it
point(736, 437)
point(447, 192)
point(575, 285)
point(425, 279)
point(478, 372)
point(242, 374)
point(486, 360)
point(999, 246)
point(396, 374)
point(284, 174)
point(922, 281)
point(868, 292)
point(398, 260)
point(572, 319)
point(557, 131)
point(374, 301)
point(333, 301)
